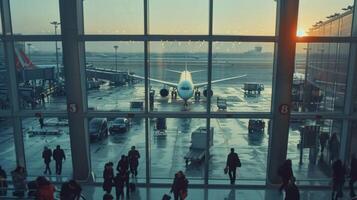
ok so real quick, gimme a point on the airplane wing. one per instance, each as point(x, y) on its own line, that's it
point(156, 80)
point(219, 80)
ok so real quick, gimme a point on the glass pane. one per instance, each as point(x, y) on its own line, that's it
point(325, 17)
point(41, 132)
point(7, 153)
point(178, 70)
point(250, 139)
point(41, 83)
point(320, 77)
point(230, 17)
point(178, 17)
point(111, 138)
point(113, 17)
point(115, 72)
point(321, 148)
point(177, 144)
point(35, 17)
point(4, 92)
point(242, 76)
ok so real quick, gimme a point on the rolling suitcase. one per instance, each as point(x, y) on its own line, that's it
point(166, 197)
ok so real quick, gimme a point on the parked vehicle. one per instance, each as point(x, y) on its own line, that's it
point(256, 125)
point(119, 125)
point(98, 128)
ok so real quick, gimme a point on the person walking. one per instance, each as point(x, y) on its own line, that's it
point(133, 157)
point(108, 175)
point(45, 189)
point(353, 174)
point(232, 163)
point(338, 179)
point(179, 186)
point(3, 182)
point(334, 147)
point(46, 155)
point(323, 138)
point(285, 171)
point(59, 156)
point(119, 181)
point(70, 190)
point(292, 191)
point(123, 164)
point(19, 176)
point(41, 121)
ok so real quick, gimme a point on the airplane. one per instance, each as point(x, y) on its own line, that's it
point(185, 87)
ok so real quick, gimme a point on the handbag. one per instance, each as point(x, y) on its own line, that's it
point(183, 194)
point(225, 170)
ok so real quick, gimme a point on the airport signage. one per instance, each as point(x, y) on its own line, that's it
point(284, 109)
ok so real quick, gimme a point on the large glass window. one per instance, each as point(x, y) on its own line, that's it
point(7, 153)
point(232, 17)
point(35, 17)
point(46, 132)
point(320, 77)
point(115, 76)
point(178, 17)
point(40, 75)
point(242, 76)
point(4, 81)
point(113, 17)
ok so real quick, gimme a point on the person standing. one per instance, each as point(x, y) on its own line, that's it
point(119, 181)
point(123, 164)
point(45, 189)
point(19, 176)
point(353, 174)
point(3, 182)
point(338, 179)
point(233, 162)
point(285, 171)
point(108, 175)
point(334, 147)
point(70, 190)
point(133, 157)
point(46, 155)
point(323, 138)
point(179, 186)
point(59, 156)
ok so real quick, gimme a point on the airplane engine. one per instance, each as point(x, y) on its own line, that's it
point(205, 93)
point(164, 92)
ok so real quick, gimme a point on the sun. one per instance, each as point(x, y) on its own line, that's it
point(300, 32)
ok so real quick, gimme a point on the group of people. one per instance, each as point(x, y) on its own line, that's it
point(128, 164)
point(58, 156)
point(41, 188)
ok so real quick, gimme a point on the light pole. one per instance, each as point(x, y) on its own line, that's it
point(29, 50)
point(56, 24)
point(116, 57)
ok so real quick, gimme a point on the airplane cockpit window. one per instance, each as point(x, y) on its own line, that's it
point(185, 88)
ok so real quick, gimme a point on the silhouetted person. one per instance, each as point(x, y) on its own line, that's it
point(46, 155)
point(338, 179)
point(323, 138)
point(19, 180)
point(179, 186)
point(45, 190)
point(292, 191)
point(70, 190)
point(133, 157)
point(353, 174)
point(232, 163)
point(3, 182)
point(108, 197)
point(285, 171)
point(59, 156)
point(41, 121)
point(119, 182)
point(123, 164)
point(334, 147)
point(108, 175)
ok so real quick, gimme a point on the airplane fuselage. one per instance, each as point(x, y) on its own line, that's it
point(185, 86)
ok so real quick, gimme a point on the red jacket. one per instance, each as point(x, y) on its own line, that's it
point(46, 192)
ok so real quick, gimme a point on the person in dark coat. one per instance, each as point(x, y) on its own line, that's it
point(233, 162)
point(108, 175)
point(59, 156)
point(285, 171)
point(41, 121)
point(338, 179)
point(179, 186)
point(123, 164)
point(119, 182)
point(292, 191)
point(70, 190)
point(45, 190)
point(333, 147)
point(133, 157)
point(3, 182)
point(46, 155)
point(353, 174)
point(19, 176)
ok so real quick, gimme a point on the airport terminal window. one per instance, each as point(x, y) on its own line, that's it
point(250, 65)
point(321, 141)
point(249, 138)
point(313, 13)
point(40, 132)
point(7, 154)
point(178, 17)
point(178, 72)
point(41, 82)
point(115, 72)
point(110, 138)
point(320, 77)
point(114, 17)
point(177, 144)
point(5, 102)
point(45, 14)
point(232, 17)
